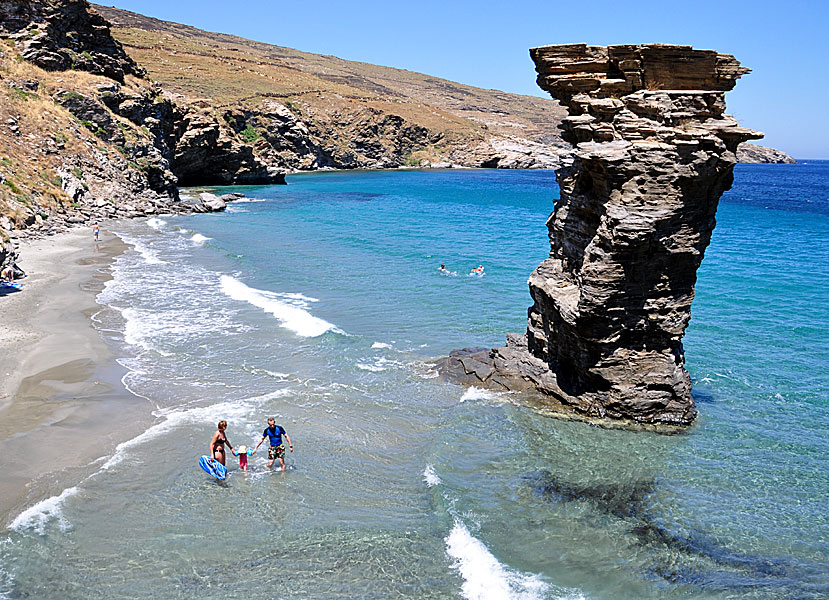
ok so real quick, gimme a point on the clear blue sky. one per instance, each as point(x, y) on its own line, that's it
point(485, 43)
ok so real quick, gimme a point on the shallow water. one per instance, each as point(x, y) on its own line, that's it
point(320, 303)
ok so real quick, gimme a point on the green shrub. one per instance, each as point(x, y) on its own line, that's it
point(249, 134)
point(77, 172)
point(11, 185)
point(86, 55)
point(70, 95)
point(50, 178)
point(23, 94)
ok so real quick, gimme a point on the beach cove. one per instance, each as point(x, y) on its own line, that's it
point(320, 304)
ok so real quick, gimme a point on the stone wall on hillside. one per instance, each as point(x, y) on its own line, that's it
point(653, 153)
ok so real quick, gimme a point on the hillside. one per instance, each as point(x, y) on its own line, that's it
point(356, 114)
point(104, 121)
point(466, 125)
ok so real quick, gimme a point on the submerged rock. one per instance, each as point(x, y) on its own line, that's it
point(654, 152)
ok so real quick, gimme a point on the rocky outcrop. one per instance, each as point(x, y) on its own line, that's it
point(85, 148)
point(210, 203)
point(654, 151)
point(752, 153)
point(58, 35)
point(208, 153)
point(362, 139)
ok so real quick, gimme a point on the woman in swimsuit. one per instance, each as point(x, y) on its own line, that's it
point(217, 443)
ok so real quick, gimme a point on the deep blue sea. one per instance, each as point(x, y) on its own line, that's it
point(320, 303)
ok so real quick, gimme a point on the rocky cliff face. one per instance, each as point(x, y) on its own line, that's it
point(654, 151)
point(58, 35)
point(87, 138)
point(304, 111)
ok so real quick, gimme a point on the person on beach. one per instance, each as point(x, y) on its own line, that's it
point(275, 432)
point(7, 274)
point(96, 231)
point(217, 443)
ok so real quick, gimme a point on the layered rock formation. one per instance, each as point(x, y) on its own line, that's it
point(654, 152)
point(58, 35)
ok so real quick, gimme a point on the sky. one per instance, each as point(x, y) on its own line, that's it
point(485, 43)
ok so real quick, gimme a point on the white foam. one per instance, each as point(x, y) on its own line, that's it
point(35, 517)
point(137, 329)
point(277, 374)
point(380, 345)
point(145, 251)
point(300, 297)
point(156, 223)
point(248, 200)
point(289, 309)
point(200, 239)
point(484, 578)
point(476, 393)
point(381, 364)
point(430, 477)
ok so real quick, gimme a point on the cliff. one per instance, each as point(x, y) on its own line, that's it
point(87, 136)
point(654, 152)
point(58, 36)
point(306, 111)
point(106, 121)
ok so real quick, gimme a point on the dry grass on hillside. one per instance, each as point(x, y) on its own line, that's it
point(47, 137)
point(230, 71)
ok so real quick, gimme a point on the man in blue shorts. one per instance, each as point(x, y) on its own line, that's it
point(277, 450)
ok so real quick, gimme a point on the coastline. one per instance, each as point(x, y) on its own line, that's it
point(62, 403)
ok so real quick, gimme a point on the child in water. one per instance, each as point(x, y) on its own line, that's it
point(242, 453)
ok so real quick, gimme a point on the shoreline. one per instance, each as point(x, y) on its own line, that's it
point(62, 403)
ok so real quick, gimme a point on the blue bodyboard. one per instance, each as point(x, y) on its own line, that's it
point(213, 467)
point(17, 286)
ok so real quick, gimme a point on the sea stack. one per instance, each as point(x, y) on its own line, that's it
point(653, 153)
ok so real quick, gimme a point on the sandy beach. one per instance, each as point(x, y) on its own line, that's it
point(62, 404)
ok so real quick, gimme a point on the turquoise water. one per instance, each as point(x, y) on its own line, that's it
point(320, 303)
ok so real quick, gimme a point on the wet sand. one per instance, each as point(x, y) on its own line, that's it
point(62, 404)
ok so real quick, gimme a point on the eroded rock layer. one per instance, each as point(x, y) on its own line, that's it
point(654, 152)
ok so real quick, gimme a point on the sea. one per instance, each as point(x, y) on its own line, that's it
point(320, 303)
